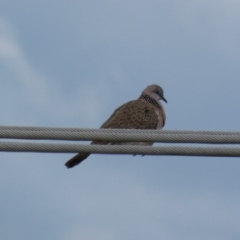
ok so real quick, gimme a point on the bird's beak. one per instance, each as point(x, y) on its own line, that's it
point(164, 99)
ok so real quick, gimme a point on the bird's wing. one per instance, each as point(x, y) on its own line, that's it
point(135, 114)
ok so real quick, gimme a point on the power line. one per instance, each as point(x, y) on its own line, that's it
point(119, 149)
point(120, 135)
point(117, 136)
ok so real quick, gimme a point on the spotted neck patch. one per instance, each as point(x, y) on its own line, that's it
point(147, 98)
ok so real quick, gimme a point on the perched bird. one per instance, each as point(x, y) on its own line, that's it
point(144, 113)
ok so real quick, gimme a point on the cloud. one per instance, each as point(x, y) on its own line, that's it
point(213, 22)
point(12, 54)
point(38, 90)
point(128, 206)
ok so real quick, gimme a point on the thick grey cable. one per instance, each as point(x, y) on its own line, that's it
point(122, 149)
point(51, 129)
point(155, 136)
point(150, 136)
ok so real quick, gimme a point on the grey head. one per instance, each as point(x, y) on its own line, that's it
point(155, 92)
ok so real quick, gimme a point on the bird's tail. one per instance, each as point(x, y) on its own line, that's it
point(76, 159)
point(81, 156)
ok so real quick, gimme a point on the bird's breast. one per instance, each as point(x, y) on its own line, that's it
point(161, 117)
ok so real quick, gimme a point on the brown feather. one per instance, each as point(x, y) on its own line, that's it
point(137, 114)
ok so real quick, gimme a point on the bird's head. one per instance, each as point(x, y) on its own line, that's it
point(155, 92)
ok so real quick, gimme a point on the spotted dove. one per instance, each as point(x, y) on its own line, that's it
point(144, 113)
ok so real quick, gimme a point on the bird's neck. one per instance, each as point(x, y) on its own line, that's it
point(148, 98)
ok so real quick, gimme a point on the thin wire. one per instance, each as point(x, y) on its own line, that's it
point(119, 149)
point(120, 135)
point(22, 128)
point(117, 136)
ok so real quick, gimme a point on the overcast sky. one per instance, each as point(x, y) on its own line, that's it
point(70, 64)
